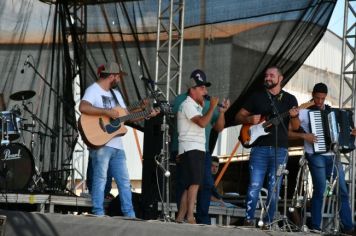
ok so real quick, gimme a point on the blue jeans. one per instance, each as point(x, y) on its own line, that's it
point(204, 194)
point(89, 180)
point(320, 168)
point(262, 162)
point(104, 159)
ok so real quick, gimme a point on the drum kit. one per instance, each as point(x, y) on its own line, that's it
point(18, 171)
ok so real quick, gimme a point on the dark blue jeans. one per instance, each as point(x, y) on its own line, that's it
point(262, 162)
point(204, 194)
point(320, 168)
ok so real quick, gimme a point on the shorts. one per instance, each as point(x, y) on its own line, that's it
point(192, 167)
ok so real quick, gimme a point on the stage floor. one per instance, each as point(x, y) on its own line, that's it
point(48, 224)
point(44, 221)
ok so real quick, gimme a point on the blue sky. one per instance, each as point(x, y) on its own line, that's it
point(337, 18)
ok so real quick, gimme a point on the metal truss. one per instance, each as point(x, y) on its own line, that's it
point(347, 81)
point(75, 31)
point(169, 48)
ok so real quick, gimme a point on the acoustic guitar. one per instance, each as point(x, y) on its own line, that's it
point(249, 133)
point(97, 130)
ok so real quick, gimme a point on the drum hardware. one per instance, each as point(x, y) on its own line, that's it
point(17, 167)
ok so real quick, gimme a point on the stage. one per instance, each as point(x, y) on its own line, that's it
point(48, 224)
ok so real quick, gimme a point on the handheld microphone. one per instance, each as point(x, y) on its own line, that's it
point(25, 64)
point(166, 172)
point(207, 97)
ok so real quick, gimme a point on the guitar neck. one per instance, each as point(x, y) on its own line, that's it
point(134, 105)
point(133, 116)
point(271, 121)
point(285, 114)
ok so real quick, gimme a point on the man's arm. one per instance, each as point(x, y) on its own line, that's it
point(205, 119)
point(294, 121)
point(220, 123)
point(245, 117)
point(86, 107)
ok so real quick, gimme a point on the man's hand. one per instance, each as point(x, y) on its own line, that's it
point(254, 119)
point(294, 112)
point(310, 138)
point(154, 112)
point(112, 113)
point(226, 105)
point(214, 101)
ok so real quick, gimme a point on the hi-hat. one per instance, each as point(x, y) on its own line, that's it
point(22, 95)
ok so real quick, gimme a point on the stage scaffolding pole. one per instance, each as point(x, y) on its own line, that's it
point(168, 74)
point(347, 82)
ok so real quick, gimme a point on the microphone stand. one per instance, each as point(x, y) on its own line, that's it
point(163, 161)
point(281, 170)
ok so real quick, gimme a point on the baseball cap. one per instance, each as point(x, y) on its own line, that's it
point(112, 68)
point(198, 78)
point(320, 88)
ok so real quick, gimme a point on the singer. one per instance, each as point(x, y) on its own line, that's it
point(322, 166)
point(270, 149)
point(195, 118)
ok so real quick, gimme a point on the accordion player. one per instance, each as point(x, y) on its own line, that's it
point(332, 126)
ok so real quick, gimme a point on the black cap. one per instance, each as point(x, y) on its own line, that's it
point(320, 88)
point(198, 78)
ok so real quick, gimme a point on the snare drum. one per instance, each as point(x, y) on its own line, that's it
point(17, 167)
point(11, 123)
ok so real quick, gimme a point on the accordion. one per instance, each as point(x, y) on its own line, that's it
point(332, 127)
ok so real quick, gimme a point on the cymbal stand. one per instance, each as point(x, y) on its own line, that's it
point(37, 180)
point(5, 139)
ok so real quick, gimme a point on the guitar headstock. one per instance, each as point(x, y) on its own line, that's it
point(307, 104)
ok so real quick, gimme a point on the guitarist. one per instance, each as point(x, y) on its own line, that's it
point(263, 158)
point(99, 99)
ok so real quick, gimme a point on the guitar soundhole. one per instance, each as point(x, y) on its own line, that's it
point(112, 128)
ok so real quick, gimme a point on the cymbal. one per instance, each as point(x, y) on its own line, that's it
point(22, 95)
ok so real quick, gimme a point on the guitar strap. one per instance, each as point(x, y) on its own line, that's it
point(115, 98)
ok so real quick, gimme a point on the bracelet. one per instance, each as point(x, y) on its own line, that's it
point(293, 117)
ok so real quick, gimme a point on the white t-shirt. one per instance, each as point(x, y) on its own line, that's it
point(101, 98)
point(304, 123)
point(190, 135)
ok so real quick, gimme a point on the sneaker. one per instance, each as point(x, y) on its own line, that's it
point(85, 195)
point(249, 223)
point(315, 231)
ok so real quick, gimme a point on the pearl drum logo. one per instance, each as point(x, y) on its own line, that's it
point(8, 155)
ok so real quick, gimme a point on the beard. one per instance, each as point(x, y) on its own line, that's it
point(114, 84)
point(269, 84)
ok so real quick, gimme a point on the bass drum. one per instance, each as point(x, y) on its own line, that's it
point(17, 167)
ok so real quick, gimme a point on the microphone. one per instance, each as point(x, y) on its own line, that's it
point(265, 84)
point(166, 172)
point(207, 97)
point(25, 64)
point(148, 81)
